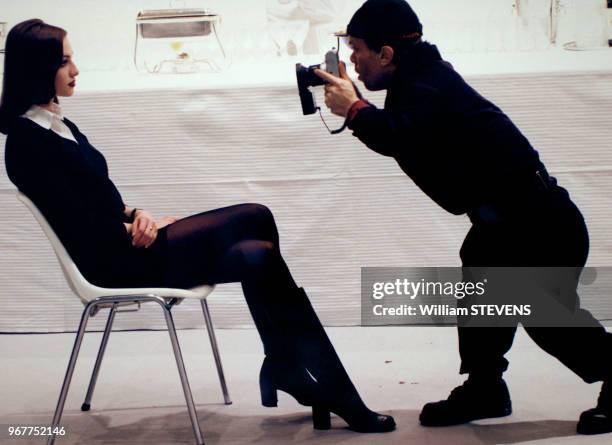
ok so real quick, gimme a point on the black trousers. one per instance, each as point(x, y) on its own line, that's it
point(545, 231)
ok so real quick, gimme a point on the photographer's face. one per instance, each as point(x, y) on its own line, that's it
point(375, 69)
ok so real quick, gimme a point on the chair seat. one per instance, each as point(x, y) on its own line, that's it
point(197, 293)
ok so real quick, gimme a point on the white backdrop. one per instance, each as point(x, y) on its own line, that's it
point(103, 32)
point(183, 144)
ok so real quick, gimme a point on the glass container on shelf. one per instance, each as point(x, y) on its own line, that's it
point(178, 41)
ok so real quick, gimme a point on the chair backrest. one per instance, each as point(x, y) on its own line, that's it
point(87, 291)
point(77, 282)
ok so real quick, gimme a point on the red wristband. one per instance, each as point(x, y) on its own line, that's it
point(355, 108)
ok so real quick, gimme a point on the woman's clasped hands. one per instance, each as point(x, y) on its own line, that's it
point(143, 230)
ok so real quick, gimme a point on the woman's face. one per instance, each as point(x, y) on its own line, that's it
point(65, 78)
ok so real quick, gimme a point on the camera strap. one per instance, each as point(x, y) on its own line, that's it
point(336, 131)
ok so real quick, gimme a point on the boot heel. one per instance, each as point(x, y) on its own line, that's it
point(269, 396)
point(321, 418)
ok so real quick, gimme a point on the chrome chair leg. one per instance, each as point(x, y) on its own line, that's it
point(94, 376)
point(215, 350)
point(71, 364)
point(183, 374)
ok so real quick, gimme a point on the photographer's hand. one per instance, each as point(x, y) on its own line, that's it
point(340, 93)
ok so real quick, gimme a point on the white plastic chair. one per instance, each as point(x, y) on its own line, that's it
point(94, 298)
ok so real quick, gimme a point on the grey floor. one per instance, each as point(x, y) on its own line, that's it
point(138, 399)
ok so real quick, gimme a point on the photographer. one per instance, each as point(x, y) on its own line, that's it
point(469, 157)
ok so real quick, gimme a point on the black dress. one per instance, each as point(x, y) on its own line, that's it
point(70, 185)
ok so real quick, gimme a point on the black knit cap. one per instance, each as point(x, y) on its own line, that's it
point(384, 21)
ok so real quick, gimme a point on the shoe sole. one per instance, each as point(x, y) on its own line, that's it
point(592, 430)
point(505, 413)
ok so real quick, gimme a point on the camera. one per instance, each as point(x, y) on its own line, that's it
point(306, 78)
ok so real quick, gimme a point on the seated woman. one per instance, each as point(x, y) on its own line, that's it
point(53, 163)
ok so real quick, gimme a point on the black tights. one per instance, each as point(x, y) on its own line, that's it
point(232, 244)
point(240, 244)
point(235, 244)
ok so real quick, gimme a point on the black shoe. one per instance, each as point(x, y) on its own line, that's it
point(595, 421)
point(471, 401)
point(288, 377)
point(598, 420)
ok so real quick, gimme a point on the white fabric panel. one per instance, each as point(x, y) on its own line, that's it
point(338, 206)
point(102, 33)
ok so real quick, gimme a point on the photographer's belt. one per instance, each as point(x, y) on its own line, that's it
point(530, 189)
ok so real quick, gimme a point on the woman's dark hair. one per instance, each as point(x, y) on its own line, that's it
point(33, 54)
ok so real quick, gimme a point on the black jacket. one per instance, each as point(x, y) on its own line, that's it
point(69, 183)
point(458, 147)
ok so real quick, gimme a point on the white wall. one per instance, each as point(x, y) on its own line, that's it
point(102, 32)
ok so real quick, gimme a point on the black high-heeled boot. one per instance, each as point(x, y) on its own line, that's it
point(285, 375)
point(280, 370)
point(334, 390)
